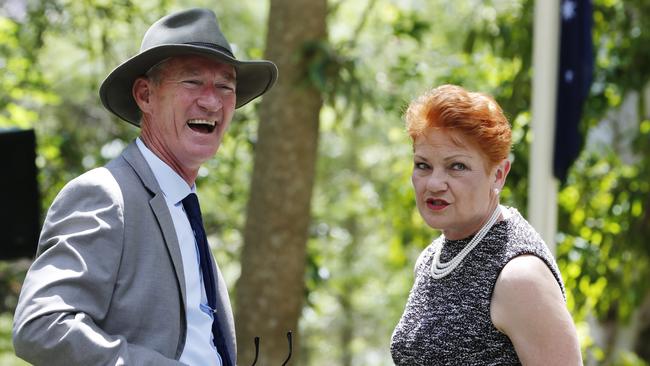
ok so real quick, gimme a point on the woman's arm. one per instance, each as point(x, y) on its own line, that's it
point(528, 306)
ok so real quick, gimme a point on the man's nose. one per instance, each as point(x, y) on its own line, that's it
point(210, 100)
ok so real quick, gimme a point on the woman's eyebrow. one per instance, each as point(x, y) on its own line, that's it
point(456, 156)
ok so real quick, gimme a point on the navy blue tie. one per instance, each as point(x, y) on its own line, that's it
point(193, 211)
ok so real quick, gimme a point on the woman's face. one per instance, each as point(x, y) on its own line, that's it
point(454, 186)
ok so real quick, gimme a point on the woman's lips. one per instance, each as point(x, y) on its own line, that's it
point(436, 204)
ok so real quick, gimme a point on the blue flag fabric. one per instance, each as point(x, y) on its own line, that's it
point(574, 81)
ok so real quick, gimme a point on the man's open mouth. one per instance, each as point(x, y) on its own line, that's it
point(202, 125)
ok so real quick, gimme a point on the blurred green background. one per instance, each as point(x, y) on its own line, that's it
point(365, 233)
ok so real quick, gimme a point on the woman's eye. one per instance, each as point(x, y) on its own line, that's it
point(421, 166)
point(458, 166)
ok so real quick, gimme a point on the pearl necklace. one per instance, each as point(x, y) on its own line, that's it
point(440, 270)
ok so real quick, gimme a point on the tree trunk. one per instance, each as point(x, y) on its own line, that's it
point(270, 290)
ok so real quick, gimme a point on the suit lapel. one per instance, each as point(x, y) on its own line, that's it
point(159, 207)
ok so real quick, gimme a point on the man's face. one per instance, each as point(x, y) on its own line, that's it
point(186, 109)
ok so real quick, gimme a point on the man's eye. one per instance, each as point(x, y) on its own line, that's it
point(192, 82)
point(226, 87)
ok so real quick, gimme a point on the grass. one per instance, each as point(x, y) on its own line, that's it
point(7, 356)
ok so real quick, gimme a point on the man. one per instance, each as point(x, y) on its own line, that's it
point(123, 274)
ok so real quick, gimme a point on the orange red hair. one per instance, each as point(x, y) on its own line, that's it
point(476, 116)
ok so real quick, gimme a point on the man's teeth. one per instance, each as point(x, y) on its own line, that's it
point(202, 122)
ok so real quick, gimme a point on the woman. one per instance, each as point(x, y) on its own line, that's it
point(488, 291)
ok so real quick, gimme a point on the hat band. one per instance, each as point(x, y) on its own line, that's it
point(215, 46)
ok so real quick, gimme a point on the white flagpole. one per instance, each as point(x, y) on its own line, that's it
point(542, 186)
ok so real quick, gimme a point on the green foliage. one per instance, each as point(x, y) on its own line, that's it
point(7, 357)
point(601, 212)
point(11, 278)
point(23, 90)
point(605, 206)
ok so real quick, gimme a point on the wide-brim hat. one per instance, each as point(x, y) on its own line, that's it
point(189, 32)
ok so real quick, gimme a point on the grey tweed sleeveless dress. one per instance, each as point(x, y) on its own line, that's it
point(447, 321)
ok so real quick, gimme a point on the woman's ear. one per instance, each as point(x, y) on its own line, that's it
point(500, 173)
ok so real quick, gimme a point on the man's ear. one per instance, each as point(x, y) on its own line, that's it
point(141, 92)
point(500, 173)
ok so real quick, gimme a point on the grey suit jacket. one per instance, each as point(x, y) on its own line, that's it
point(107, 285)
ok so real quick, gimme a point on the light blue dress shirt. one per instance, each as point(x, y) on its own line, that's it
point(199, 348)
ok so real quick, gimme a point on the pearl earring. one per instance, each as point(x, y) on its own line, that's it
point(496, 191)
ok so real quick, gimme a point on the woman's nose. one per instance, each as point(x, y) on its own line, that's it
point(437, 181)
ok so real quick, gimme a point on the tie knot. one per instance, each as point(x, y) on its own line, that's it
point(191, 205)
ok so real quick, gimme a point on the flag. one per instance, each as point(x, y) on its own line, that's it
point(574, 81)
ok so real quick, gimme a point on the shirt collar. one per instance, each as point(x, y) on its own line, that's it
point(172, 185)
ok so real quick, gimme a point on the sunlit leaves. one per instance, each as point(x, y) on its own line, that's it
point(410, 24)
point(602, 211)
point(22, 89)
